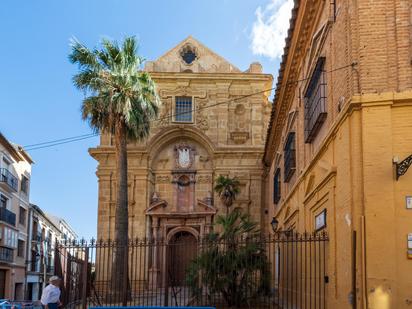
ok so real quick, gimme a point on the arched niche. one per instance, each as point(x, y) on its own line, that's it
point(172, 134)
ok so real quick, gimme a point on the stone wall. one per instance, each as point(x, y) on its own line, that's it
point(227, 136)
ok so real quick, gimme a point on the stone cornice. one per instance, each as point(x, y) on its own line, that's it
point(299, 36)
point(17, 152)
point(102, 150)
point(212, 76)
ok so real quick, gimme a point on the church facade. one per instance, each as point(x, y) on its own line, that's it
point(212, 121)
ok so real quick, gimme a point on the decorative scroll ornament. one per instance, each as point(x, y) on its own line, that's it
point(162, 179)
point(403, 166)
point(204, 179)
point(202, 122)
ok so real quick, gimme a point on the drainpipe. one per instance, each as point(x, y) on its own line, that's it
point(28, 249)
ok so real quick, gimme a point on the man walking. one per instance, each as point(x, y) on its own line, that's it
point(50, 297)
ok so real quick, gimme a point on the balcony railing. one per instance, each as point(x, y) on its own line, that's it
point(6, 254)
point(50, 269)
point(9, 178)
point(315, 102)
point(37, 237)
point(7, 216)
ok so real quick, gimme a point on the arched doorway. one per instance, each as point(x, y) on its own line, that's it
point(182, 250)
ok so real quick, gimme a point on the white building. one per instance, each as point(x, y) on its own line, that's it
point(67, 233)
point(15, 174)
point(43, 237)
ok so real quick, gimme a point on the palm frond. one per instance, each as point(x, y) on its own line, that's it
point(82, 56)
point(111, 79)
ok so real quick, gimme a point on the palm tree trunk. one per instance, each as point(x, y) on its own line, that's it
point(120, 263)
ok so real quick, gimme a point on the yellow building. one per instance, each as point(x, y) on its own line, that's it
point(341, 119)
point(210, 123)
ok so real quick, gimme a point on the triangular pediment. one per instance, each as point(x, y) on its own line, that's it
point(191, 56)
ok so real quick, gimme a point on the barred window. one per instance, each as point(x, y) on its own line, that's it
point(289, 156)
point(315, 102)
point(24, 184)
point(20, 248)
point(183, 110)
point(22, 216)
point(276, 187)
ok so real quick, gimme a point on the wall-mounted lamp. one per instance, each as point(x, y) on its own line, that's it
point(275, 224)
point(401, 167)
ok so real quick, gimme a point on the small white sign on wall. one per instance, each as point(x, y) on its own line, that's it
point(409, 249)
point(409, 202)
point(320, 220)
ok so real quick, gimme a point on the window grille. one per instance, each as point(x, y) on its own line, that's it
point(22, 216)
point(24, 186)
point(315, 102)
point(289, 156)
point(183, 110)
point(3, 201)
point(20, 248)
point(276, 187)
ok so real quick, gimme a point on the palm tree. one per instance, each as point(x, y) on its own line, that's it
point(121, 100)
point(232, 263)
point(227, 188)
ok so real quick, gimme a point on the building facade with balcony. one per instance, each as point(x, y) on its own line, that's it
point(339, 145)
point(15, 174)
point(66, 231)
point(43, 236)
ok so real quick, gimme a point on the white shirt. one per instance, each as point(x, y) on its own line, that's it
point(50, 295)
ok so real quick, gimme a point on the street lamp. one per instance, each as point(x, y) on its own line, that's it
point(275, 224)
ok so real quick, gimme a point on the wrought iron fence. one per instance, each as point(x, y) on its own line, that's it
point(281, 271)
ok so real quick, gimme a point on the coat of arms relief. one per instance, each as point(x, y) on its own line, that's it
point(185, 155)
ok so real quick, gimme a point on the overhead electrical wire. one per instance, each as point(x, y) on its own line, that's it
point(58, 140)
point(90, 135)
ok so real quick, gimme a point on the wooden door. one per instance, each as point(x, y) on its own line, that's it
point(2, 284)
point(182, 251)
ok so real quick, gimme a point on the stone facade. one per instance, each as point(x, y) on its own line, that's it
point(344, 166)
point(171, 174)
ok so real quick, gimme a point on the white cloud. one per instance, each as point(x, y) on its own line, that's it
point(270, 28)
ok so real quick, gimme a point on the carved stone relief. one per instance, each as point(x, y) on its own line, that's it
point(239, 128)
point(202, 122)
point(162, 179)
point(204, 179)
point(184, 156)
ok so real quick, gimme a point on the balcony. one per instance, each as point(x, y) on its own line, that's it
point(36, 237)
point(6, 255)
point(50, 269)
point(9, 179)
point(7, 216)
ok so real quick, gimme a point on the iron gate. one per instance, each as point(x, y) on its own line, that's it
point(292, 272)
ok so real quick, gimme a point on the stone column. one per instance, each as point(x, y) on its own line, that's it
point(154, 271)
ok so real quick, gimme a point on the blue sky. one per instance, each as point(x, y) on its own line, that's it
point(39, 103)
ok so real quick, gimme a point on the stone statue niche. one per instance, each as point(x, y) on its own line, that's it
point(184, 178)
